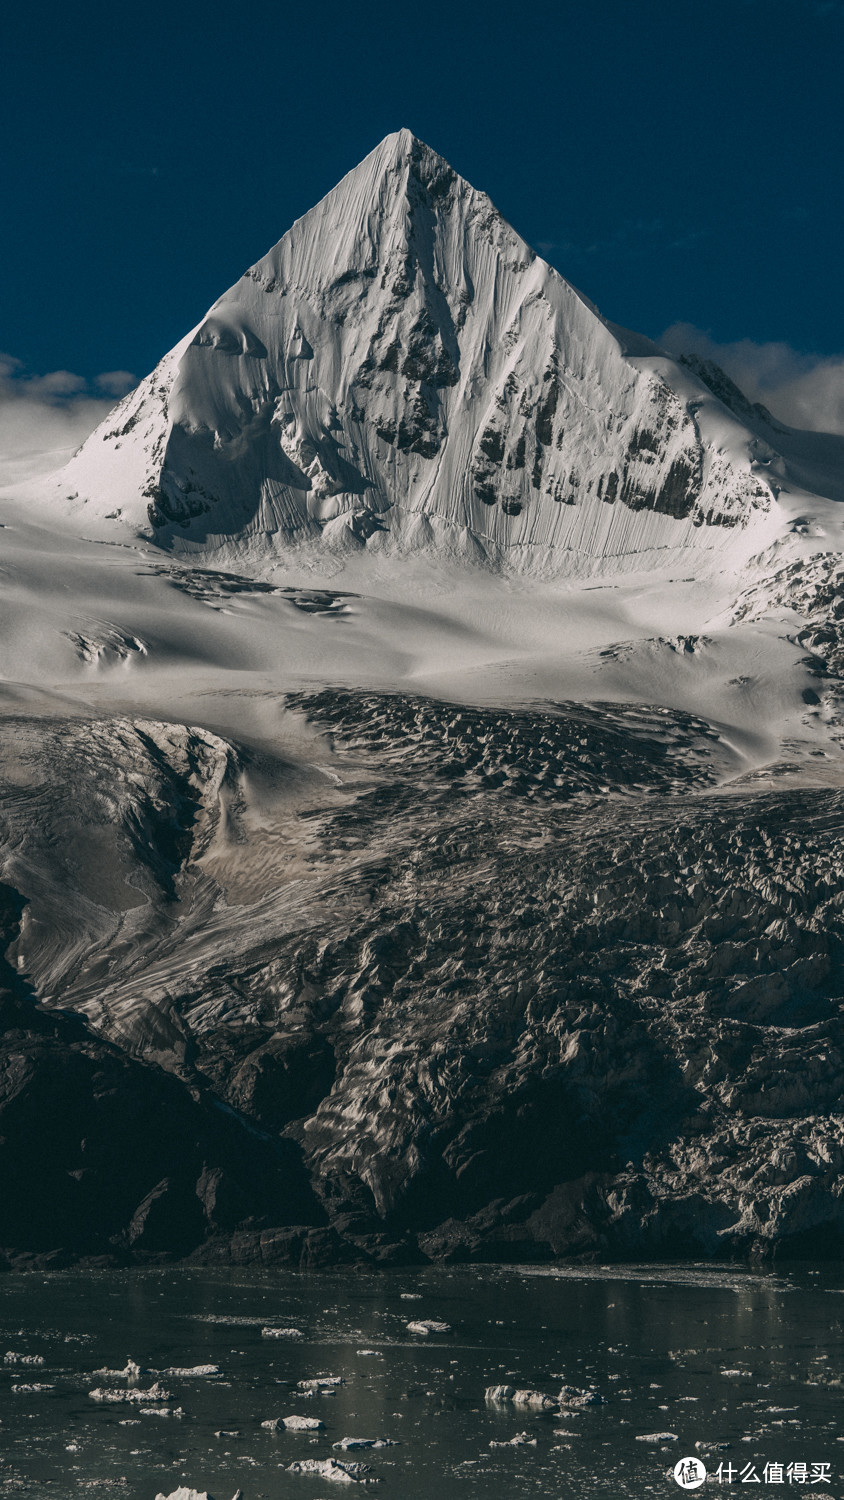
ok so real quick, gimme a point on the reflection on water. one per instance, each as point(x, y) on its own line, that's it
point(743, 1369)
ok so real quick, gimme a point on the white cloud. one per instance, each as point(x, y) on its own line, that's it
point(803, 390)
point(44, 418)
point(116, 382)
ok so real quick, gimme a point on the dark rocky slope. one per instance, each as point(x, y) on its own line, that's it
point(104, 1158)
point(549, 992)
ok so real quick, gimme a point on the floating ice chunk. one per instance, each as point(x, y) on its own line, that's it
point(428, 1325)
point(32, 1386)
point(322, 1383)
point(162, 1411)
point(132, 1371)
point(573, 1396)
point(521, 1440)
point(186, 1371)
point(411, 1296)
point(281, 1333)
point(331, 1468)
point(183, 1493)
point(376, 1353)
point(155, 1393)
point(536, 1399)
point(499, 1393)
point(656, 1437)
point(11, 1358)
point(301, 1424)
point(233, 1431)
point(349, 1444)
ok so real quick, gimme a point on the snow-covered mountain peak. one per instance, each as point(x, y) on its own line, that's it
point(402, 371)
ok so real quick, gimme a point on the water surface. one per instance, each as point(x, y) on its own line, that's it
point(742, 1368)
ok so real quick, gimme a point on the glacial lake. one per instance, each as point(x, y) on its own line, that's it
point(744, 1368)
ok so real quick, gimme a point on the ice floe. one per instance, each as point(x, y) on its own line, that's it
point(183, 1493)
point(155, 1392)
point(572, 1396)
point(132, 1371)
point(521, 1440)
point(332, 1468)
point(352, 1444)
point(499, 1393)
point(322, 1384)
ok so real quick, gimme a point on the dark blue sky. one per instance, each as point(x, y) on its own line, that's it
point(676, 160)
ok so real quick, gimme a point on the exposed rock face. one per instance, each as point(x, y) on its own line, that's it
point(403, 369)
point(727, 391)
point(101, 1155)
point(813, 588)
point(544, 990)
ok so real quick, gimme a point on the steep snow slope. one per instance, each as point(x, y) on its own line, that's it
point(403, 369)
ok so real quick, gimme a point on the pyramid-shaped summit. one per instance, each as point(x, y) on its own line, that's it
point(401, 370)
